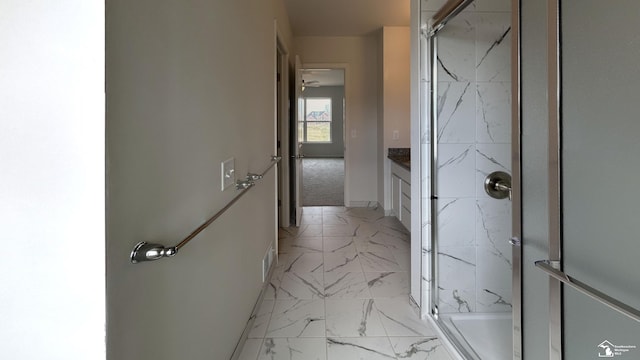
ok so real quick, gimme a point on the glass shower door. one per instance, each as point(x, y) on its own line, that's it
point(600, 175)
point(469, 101)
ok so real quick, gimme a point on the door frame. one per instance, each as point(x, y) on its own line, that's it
point(345, 111)
point(296, 146)
point(281, 118)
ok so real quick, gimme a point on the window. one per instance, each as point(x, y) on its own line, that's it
point(315, 126)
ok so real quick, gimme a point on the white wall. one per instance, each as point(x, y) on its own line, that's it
point(189, 84)
point(52, 180)
point(360, 54)
point(394, 101)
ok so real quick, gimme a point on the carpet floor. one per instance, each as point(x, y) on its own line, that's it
point(323, 182)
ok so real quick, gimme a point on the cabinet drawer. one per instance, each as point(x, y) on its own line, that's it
point(406, 189)
point(406, 202)
point(405, 218)
point(395, 195)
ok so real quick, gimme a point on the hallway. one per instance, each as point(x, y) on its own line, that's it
point(340, 292)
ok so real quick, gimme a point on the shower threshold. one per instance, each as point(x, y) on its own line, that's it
point(485, 336)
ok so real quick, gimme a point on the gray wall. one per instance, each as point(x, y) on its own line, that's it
point(189, 85)
point(336, 147)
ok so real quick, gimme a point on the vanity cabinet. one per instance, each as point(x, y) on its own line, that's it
point(401, 194)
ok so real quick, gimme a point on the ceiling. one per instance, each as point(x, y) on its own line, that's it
point(323, 77)
point(345, 17)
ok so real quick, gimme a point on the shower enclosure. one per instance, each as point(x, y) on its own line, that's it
point(470, 254)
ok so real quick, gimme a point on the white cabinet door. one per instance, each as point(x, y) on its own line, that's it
point(395, 195)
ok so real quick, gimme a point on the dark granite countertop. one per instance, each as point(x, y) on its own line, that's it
point(401, 156)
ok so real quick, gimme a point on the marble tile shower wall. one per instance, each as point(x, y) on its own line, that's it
point(474, 136)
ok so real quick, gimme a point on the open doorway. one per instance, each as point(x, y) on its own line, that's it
point(321, 133)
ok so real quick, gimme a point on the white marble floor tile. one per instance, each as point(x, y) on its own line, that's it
point(274, 283)
point(369, 348)
point(388, 284)
point(366, 212)
point(369, 244)
point(339, 244)
point(361, 230)
point(339, 230)
point(294, 285)
point(392, 222)
point(393, 228)
point(403, 258)
point(340, 292)
point(351, 285)
point(353, 318)
point(311, 219)
point(297, 318)
point(368, 229)
point(333, 209)
point(300, 244)
point(303, 230)
point(301, 262)
point(400, 319)
point(419, 348)
point(312, 210)
point(393, 242)
point(262, 320)
point(250, 349)
point(374, 261)
point(293, 349)
point(341, 263)
point(335, 219)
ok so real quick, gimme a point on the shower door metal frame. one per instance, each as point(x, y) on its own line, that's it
point(555, 181)
point(433, 62)
point(516, 182)
point(448, 11)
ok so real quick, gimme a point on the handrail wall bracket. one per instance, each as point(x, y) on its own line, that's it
point(144, 251)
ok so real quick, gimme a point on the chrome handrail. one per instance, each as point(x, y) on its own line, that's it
point(144, 251)
point(595, 294)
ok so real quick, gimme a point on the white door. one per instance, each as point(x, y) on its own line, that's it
point(298, 138)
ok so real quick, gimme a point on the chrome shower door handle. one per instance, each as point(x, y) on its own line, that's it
point(498, 185)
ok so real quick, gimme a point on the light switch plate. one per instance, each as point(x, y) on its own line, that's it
point(228, 173)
